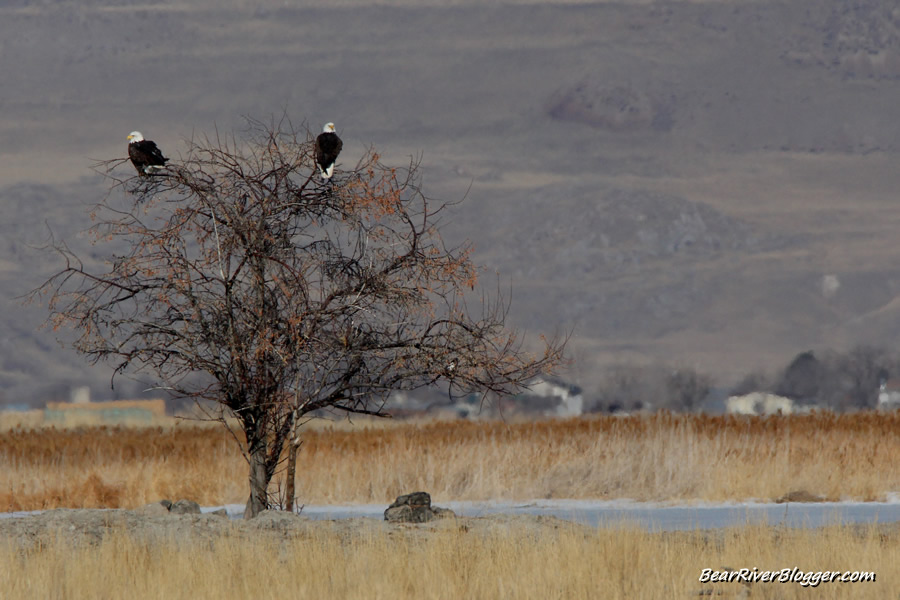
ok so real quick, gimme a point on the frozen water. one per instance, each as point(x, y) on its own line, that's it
point(650, 516)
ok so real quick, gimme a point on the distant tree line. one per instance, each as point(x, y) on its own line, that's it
point(834, 380)
point(637, 388)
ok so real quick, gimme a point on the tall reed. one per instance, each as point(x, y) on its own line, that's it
point(659, 457)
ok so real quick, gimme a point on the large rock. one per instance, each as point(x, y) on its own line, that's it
point(415, 508)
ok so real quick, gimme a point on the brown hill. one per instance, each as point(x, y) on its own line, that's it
point(711, 184)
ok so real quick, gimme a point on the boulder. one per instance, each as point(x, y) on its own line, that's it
point(415, 508)
point(415, 500)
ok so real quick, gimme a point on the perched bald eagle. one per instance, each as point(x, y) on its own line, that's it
point(144, 154)
point(328, 146)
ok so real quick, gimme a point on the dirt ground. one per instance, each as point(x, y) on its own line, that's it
point(90, 526)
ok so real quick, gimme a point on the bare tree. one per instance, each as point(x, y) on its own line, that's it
point(686, 389)
point(248, 282)
point(802, 378)
point(652, 387)
point(863, 369)
point(852, 379)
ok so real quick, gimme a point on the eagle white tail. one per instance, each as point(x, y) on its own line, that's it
point(327, 173)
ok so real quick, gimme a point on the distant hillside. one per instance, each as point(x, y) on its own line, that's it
point(705, 184)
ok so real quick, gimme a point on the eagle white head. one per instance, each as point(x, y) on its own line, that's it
point(329, 128)
point(135, 136)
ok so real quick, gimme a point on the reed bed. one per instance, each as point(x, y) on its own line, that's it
point(659, 457)
point(454, 562)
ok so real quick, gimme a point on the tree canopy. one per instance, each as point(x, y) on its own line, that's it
point(235, 275)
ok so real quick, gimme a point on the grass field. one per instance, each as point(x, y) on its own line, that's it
point(454, 562)
point(653, 457)
point(659, 457)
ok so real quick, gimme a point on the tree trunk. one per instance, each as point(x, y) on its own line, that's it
point(259, 479)
point(293, 448)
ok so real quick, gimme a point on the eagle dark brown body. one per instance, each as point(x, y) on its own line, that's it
point(144, 154)
point(328, 146)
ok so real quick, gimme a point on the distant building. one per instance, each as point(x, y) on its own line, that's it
point(111, 413)
point(889, 394)
point(759, 403)
point(81, 395)
point(547, 396)
point(569, 399)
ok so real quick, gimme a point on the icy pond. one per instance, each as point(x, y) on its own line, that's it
point(625, 513)
point(650, 516)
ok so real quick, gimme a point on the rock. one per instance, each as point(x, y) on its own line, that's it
point(416, 499)
point(799, 496)
point(415, 508)
point(185, 507)
point(219, 513)
point(442, 513)
point(406, 514)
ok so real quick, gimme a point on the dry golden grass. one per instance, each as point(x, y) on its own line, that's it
point(656, 457)
point(453, 562)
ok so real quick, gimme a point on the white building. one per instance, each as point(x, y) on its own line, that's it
point(759, 403)
point(889, 394)
point(571, 402)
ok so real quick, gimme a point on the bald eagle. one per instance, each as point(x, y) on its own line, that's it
point(144, 154)
point(328, 146)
